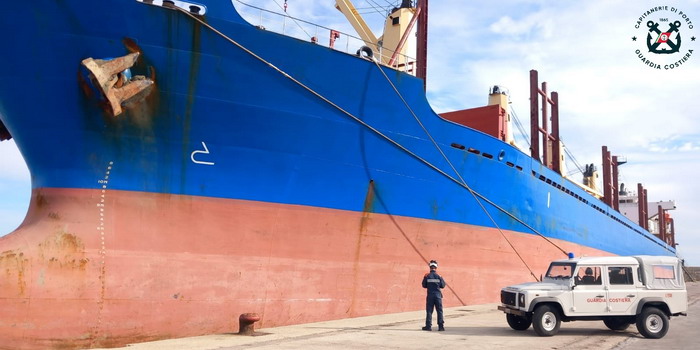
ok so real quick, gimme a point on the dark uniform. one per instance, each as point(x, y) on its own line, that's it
point(433, 282)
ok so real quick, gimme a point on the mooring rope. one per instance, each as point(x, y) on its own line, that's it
point(460, 182)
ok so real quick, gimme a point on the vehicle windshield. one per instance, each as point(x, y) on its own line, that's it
point(560, 270)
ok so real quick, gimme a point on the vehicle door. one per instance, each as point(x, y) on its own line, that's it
point(622, 293)
point(589, 296)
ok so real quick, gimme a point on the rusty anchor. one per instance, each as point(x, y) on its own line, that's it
point(245, 323)
point(114, 84)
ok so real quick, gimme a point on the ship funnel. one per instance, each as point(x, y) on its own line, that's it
point(623, 190)
point(498, 95)
point(590, 179)
point(499, 90)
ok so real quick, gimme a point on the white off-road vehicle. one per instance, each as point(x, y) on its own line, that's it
point(620, 291)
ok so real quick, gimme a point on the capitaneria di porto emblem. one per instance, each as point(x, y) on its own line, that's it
point(663, 42)
point(669, 37)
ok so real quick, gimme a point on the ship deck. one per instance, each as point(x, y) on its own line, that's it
point(467, 327)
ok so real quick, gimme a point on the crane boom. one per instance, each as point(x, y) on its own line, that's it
point(357, 22)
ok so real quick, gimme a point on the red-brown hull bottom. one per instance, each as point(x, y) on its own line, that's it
point(94, 268)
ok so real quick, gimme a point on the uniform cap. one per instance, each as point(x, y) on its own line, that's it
point(433, 263)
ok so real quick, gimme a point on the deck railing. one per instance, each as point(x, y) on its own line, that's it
point(297, 28)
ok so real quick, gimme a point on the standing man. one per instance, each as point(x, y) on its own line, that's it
point(433, 282)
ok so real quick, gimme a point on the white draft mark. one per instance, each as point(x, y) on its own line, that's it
point(206, 151)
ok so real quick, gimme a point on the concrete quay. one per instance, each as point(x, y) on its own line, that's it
point(467, 327)
point(692, 274)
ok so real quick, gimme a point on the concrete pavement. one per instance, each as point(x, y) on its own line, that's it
point(683, 333)
point(468, 327)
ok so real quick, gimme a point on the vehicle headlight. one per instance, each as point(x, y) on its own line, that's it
point(521, 299)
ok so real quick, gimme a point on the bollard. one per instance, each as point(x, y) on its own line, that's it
point(245, 323)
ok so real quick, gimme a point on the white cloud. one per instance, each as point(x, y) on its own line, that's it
point(15, 187)
point(12, 165)
point(11, 218)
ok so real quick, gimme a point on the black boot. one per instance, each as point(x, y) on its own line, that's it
point(441, 328)
point(426, 328)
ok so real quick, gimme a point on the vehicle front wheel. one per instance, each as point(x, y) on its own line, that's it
point(617, 323)
point(652, 323)
point(546, 321)
point(519, 323)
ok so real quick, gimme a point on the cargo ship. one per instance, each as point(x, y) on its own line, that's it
point(188, 166)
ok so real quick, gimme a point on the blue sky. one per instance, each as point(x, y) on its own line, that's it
point(15, 187)
point(582, 49)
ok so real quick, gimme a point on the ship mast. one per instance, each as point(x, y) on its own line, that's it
point(422, 44)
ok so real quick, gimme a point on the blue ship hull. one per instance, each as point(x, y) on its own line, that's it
point(221, 124)
point(269, 139)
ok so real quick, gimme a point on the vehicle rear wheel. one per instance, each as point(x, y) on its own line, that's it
point(617, 323)
point(546, 321)
point(519, 323)
point(652, 323)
